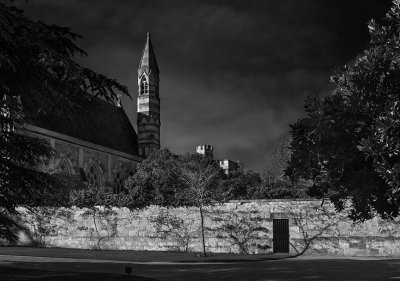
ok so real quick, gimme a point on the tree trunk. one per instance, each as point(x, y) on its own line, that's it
point(202, 231)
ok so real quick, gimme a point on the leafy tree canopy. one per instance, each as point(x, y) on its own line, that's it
point(349, 143)
point(156, 181)
point(166, 179)
point(239, 184)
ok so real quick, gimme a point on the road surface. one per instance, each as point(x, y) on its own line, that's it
point(303, 268)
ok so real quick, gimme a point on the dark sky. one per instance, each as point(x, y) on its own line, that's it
point(234, 74)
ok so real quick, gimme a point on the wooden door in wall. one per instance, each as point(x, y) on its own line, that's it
point(281, 235)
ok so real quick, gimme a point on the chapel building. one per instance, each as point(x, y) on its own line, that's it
point(97, 142)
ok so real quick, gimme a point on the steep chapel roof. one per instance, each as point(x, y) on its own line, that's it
point(96, 121)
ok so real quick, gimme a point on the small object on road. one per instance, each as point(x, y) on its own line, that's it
point(203, 256)
point(128, 270)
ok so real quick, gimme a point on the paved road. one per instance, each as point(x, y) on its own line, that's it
point(37, 268)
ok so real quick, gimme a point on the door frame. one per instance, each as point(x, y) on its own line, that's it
point(280, 232)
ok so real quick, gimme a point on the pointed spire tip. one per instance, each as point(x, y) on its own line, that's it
point(148, 59)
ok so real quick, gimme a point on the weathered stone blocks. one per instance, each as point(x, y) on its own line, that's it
point(309, 222)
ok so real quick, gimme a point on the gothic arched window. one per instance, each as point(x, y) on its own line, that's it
point(144, 85)
point(64, 166)
point(93, 175)
point(65, 163)
point(118, 182)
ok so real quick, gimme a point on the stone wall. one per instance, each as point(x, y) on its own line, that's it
point(237, 226)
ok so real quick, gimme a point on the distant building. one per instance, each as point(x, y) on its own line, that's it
point(206, 150)
point(227, 165)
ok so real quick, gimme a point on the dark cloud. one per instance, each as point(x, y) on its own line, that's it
point(234, 74)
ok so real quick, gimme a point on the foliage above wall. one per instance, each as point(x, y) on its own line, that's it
point(156, 181)
point(240, 184)
point(279, 188)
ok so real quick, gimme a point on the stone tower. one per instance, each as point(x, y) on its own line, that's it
point(206, 150)
point(148, 102)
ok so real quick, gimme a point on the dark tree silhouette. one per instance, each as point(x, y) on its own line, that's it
point(36, 59)
point(349, 143)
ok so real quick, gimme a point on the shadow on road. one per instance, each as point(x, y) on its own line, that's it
point(27, 274)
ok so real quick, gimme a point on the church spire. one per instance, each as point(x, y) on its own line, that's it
point(148, 102)
point(148, 62)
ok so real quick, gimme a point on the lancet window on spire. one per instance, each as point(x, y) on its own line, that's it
point(144, 85)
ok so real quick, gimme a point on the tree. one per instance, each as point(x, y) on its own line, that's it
point(169, 180)
point(156, 181)
point(278, 156)
point(239, 184)
point(36, 59)
point(200, 175)
point(349, 143)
